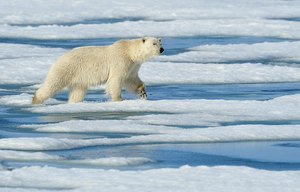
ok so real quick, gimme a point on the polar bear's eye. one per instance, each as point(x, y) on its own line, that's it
point(154, 43)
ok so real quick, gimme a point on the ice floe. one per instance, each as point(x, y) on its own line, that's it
point(159, 121)
point(280, 105)
point(39, 20)
point(188, 28)
point(22, 100)
point(194, 112)
point(64, 12)
point(19, 51)
point(272, 52)
point(191, 73)
point(196, 135)
point(185, 178)
point(101, 126)
point(28, 156)
point(32, 63)
point(20, 156)
point(21, 64)
point(35, 71)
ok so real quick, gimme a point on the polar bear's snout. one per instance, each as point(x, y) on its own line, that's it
point(161, 50)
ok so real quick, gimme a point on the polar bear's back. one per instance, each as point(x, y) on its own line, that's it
point(93, 65)
point(87, 66)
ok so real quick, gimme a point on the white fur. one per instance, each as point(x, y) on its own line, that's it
point(116, 65)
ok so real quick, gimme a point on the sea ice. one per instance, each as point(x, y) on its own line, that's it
point(189, 28)
point(272, 52)
point(186, 178)
point(171, 121)
point(196, 135)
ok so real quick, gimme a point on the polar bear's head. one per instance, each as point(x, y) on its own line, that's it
point(152, 46)
point(147, 48)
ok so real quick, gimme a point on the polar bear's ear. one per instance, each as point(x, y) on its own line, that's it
point(143, 40)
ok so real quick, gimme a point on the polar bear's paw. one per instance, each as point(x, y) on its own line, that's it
point(142, 92)
point(143, 95)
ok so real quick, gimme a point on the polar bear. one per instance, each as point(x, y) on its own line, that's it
point(116, 65)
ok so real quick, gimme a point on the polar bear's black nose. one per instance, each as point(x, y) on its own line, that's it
point(161, 50)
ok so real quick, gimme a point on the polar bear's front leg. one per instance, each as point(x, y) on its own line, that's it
point(114, 88)
point(137, 86)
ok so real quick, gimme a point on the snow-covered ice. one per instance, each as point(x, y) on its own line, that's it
point(190, 73)
point(22, 100)
point(190, 28)
point(194, 18)
point(22, 156)
point(52, 12)
point(188, 143)
point(102, 126)
point(286, 106)
point(19, 156)
point(34, 63)
point(180, 112)
point(200, 135)
point(185, 178)
point(273, 52)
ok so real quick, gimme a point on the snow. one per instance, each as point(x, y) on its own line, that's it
point(17, 51)
point(19, 156)
point(21, 64)
point(102, 126)
point(213, 27)
point(217, 112)
point(22, 100)
point(65, 145)
point(196, 112)
point(275, 52)
point(159, 19)
point(199, 135)
point(39, 12)
point(204, 114)
point(34, 62)
point(22, 156)
point(186, 178)
point(201, 106)
point(191, 73)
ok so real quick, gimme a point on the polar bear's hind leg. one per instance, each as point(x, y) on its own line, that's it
point(48, 89)
point(77, 94)
point(44, 93)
